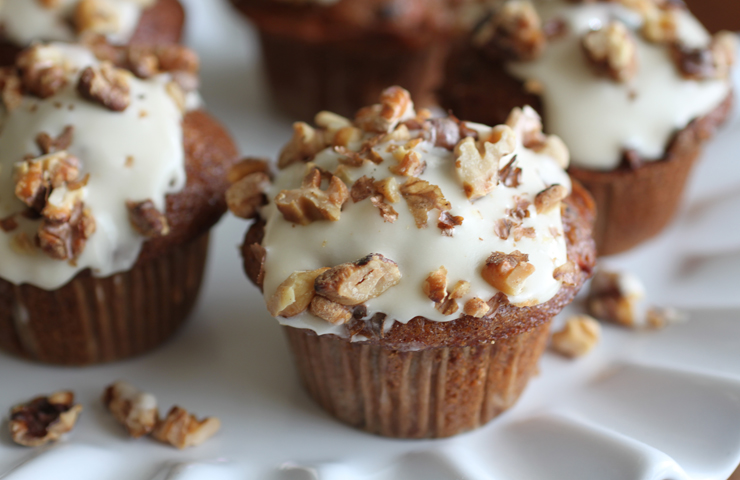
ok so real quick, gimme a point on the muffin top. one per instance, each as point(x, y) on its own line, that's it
point(406, 215)
point(24, 21)
point(88, 154)
point(614, 76)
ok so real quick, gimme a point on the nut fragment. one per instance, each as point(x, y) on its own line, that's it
point(388, 187)
point(510, 175)
point(246, 196)
point(364, 187)
point(527, 124)
point(246, 167)
point(106, 85)
point(181, 429)
point(507, 272)
point(66, 240)
point(478, 170)
point(435, 285)
point(386, 211)
point(41, 69)
point(43, 419)
point(446, 132)
point(566, 273)
point(96, 16)
point(411, 165)
point(395, 106)
point(475, 307)
point(555, 148)
point(713, 62)
point(47, 144)
point(660, 26)
point(309, 203)
point(35, 178)
point(549, 199)
point(616, 297)
point(448, 222)
point(147, 219)
point(423, 197)
point(513, 32)
point(357, 282)
point(611, 51)
point(135, 410)
point(330, 311)
point(578, 337)
point(294, 295)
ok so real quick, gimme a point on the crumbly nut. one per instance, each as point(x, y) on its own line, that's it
point(388, 187)
point(11, 92)
point(566, 273)
point(246, 196)
point(330, 311)
point(510, 175)
point(445, 132)
point(616, 297)
point(513, 32)
point(435, 285)
point(47, 144)
point(520, 210)
point(135, 410)
point(658, 318)
point(660, 26)
point(35, 178)
point(713, 62)
point(42, 71)
point(502, 228)
point(181, 429)
point(346, 136)
point(423, 197)
point(309, 203)
point(478, 170)
point(147, 219)
point(106, 85)
point(305, 143)
point(67, 239)
point(507, 272)
point(294, 295)
point(357, 282)
point(447, 223)
point(387, 212)
point(476, 307)
point(611, 51)
point(527, 125)
point(246, 167)
point(520, 232)
point(724, 53)
point(331, 121)
point(348, 157)
point(176, 58)
point(555, 148)
point(96, 16)
point(61, 204)
point(400, 134)
point(549, 199)
point(146, 61)
point(578, 337)
point(395, 105)
point(43, 419)
point(410, 166)
point(363, 188)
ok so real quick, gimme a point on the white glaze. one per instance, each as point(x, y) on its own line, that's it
point(25, 21)
point(418, 252)
point(597, 117)
point(149, 131)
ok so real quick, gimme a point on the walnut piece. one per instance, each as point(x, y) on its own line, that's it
point(147, 219)
point(309, 203)
point(527, 125)
point(435, 288)
point(611, 51)
point(47, 144)
point(579, 336)
point(135, 410)
point(445, 132)
point(549, 199)
point(96, 16)
point(514, 32)
point(387, 212)
point(478, 170)
point(43, 419)
point(106, 85)
point(447, 223)
point(423, 197)
point(507, 272)
point(34, 179)
point(616, 297)
point(246, 167)
point(42, 71)
point(330, 311)
point(555, 148)
point(567, 273)
point(11, 92)
point(660, 26)
point(357, 282)
point(713, 62)
point(247, 195)
point(364, 187)
point(388, 187)
point(66, 239)
point(395, 105)
point(294, 295)
point(181, 429)
point(411, 165)
point(476, 307)
point(510, 175)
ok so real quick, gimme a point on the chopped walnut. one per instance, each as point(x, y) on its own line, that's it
point(246, 167)
point(61, 204)
point(47, 144)
point(510, 175)
point(616, 297)
point(435, 285)
point(247, 195)
point(713, 62)
point(294, 295)
point(66, 240)
point(357, 282)
point(555, 148)
point(306, 143)
point(660, 26)
point(478, 171)
point(96, 16)
point(43, 419)
point(513, 32)
point(507, 272)
point(42, 72)
point(147, 219)
point(475, 307)
point(106, 85)
point(387, 212)
point(176, 58)
point(566, 273)
point(395, 105)
point(423, 197)
point(520, 232)
point(502, 228)
point(446, 132)
point(388, 187)
point(659, 318)
point(348, 157)
point(330, 311)
point(578, 337)
point(346, 136)
point(181, 429)
point(146, 61)
point(411, 165)
point(520, 211)
point(527, 125)
point(399, 134)
point(331, 121)
point(447, 223)
point(612, 51)
point(135, 410)
point(309, 203)
point(363, 188)
point(11, 92)
point(35, 178)
point(549, 199)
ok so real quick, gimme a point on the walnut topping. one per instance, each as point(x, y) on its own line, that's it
point(566, 273)
point(147, 219)
point(181, 429)
point(96, 16)
point(513, 32)
point(478, 169)
point(520, 232)
point(41, 69)
point(555, 148)
point(527, 125)
point(330, 311)
point(306, 143)
point(355, 283)
point(388, 187)
point(247, 195)
point(578, 337)
point(612, 51)
point(502, 228)
point(616, 297)
point(386, 211)
point(135, 410)
point(660, 26)
point(67, 240)
point(508, 272)
point(445, 132)
point(106, 85)
point(435, 288)
point(510, 175)
point(348, 157)
point(43, 419)
point(549, 199)
point(395, 105)
point(146, 61)
point(520, 211)
point(309, 203)
point(475, 307)
point(410, 165)
point(246, 167)
point(714, 62)
point(294, 295)
point(11, 92)
point(331, 121)
point(422, 197)
point(47, 144)
point(448, 222)
point(363, 188)
point(34, 179)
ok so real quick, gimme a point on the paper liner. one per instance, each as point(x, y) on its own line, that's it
point(93, 320)
point(342, 77)
point(430, 393)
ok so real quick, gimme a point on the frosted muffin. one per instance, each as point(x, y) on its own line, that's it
point(118, 21)
point(109, 184)
point(634, 88)
point(415, 263)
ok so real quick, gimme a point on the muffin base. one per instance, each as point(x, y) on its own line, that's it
point(94, 320)
point(429, 393)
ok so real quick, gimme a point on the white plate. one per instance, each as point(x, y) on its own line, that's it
point(654, 406)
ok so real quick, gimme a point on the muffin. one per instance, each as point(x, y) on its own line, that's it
point(339, 55)
point(634, 88)
point(415, 263)
point(717, 14)
point(118, 21)
point(109, 184)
